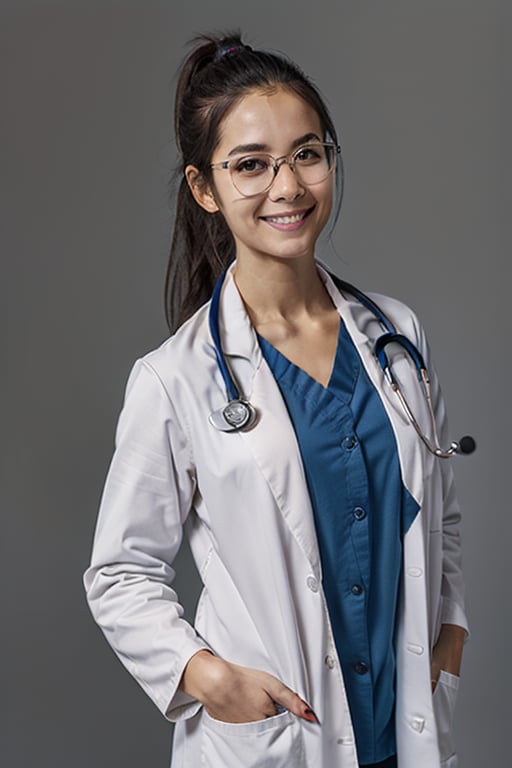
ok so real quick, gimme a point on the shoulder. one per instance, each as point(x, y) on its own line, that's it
point(177, 362)
point(185, 348)
point(160, 385)
point(402, 316)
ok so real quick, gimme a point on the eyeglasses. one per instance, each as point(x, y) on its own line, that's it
point(255, 173)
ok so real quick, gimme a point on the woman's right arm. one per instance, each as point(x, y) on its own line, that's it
point(147, 496)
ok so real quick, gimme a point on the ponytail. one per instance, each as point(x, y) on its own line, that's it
point(202, 247)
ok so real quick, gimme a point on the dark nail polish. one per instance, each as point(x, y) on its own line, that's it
point(310, 715)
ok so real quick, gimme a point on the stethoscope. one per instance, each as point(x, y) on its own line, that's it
point(239, 414)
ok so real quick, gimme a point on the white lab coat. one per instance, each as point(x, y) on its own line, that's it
point(243, 501)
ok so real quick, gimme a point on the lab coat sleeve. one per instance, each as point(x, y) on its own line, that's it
point(146, 498)
point(452, 587)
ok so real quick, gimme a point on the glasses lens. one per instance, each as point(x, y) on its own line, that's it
point(314, 162)
point(252, 174)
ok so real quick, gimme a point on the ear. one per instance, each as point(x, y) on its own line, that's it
point(201, 190)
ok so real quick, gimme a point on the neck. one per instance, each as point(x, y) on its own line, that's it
point(281, 289)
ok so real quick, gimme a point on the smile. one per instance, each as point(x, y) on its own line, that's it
point(288, 219)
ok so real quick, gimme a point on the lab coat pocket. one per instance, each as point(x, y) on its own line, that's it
point(274, 742)
point(445, 696)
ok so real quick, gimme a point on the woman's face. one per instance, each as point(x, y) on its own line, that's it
point(277, 123)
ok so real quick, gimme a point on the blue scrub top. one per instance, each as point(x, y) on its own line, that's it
point(361, 510)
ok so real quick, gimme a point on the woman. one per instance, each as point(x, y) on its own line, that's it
point(330, 628)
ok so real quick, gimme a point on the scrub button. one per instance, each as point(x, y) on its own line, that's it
point(330, 662)
point(312, 583)
point(359, 513)
point(361, 668)
point(349, 442)
point(357, 589)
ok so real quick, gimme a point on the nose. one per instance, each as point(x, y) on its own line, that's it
point(286, 185)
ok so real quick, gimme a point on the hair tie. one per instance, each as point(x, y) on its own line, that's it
point(228, 50)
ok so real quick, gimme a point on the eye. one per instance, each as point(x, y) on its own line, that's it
point(309, 155)
point(251, 166)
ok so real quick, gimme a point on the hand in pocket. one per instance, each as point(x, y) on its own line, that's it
point(236, 694)
point(447, 652)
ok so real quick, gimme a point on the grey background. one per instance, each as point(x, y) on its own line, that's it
point(420, 92)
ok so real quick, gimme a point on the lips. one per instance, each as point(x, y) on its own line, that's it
point(288, 218)
point(288, 222)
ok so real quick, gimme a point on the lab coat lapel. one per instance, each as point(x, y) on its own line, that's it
point(274, 446)
point(364, 328)
point(272, 440)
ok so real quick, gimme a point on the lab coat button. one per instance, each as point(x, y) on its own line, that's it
point(417, 724)
point(312, 583)
point(357, 589)
point(416, 572)
point(415, 648)
point(359, 513)
point(330, 662)
point(349, 442)
point(361, 668)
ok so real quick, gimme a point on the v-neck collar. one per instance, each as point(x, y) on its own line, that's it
point(345, 369)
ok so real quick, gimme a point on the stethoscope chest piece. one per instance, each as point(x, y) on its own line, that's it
point(236, 415)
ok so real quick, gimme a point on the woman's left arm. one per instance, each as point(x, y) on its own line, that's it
point(448, 648)
point(447, 651)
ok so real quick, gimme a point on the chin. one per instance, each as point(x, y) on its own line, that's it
point(297, 249)
point(293, 255)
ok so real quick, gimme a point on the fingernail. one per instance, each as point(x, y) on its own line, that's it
point(310, 715)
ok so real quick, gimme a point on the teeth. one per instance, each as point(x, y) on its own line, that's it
point(286, 219)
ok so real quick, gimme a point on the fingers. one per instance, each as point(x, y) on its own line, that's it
point(285, 697)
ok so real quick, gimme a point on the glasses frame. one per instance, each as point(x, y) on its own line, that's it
point(277, 162)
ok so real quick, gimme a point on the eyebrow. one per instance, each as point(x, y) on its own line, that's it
point(242, 149)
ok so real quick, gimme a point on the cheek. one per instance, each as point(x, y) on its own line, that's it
point(325, 203)
point(329, 192)
point(236, 210)
point(239, 215)
point(330, 197)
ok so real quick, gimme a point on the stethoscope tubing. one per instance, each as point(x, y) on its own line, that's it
point(239, 414)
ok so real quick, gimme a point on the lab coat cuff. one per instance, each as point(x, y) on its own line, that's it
point(180, 705)
point(452, 613)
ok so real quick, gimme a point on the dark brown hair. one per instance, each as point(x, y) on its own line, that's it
point(218, 72)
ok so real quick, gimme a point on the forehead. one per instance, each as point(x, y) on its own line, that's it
point(274, 119)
